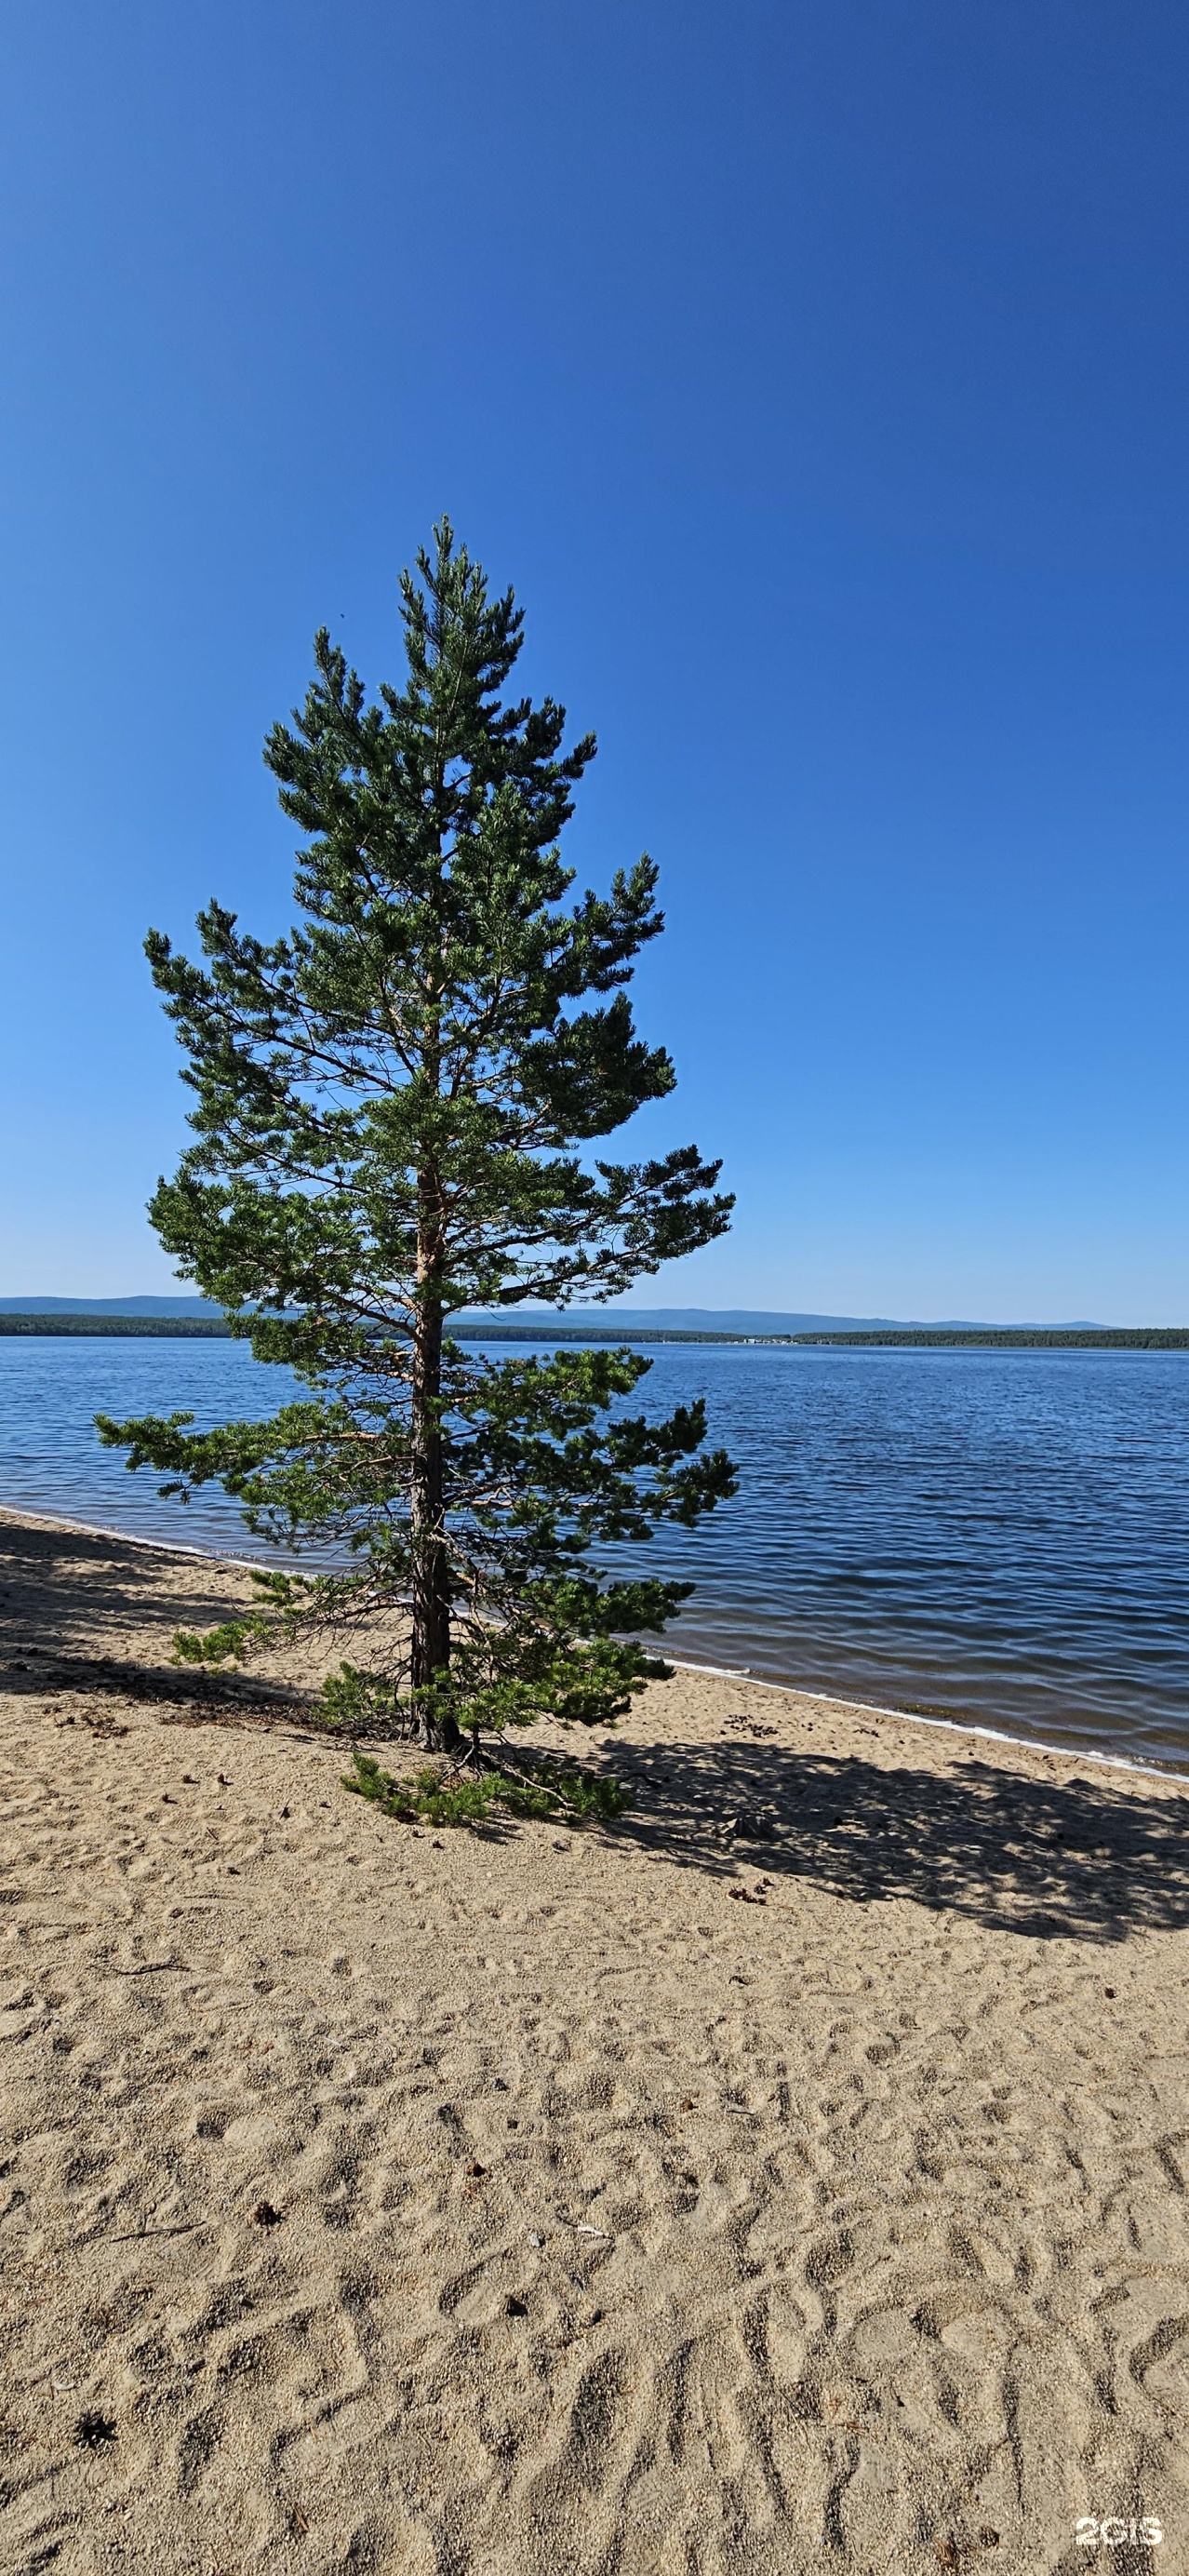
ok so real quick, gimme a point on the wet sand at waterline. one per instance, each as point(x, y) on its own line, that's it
point(791, 2176)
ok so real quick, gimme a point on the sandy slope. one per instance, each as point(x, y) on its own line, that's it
point(532, 2204)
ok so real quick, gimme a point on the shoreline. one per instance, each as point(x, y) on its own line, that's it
point(726, 1672)
point(950, 1725)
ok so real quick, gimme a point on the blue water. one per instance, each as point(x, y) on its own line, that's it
point(995, 1536)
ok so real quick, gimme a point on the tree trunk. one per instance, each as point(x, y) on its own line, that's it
point(430, 1657)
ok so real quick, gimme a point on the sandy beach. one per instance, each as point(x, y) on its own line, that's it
point(790, 2177)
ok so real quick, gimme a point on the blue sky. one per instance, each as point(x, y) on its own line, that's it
point(819, 376)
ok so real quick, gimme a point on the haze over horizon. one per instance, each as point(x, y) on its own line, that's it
point(826, 376)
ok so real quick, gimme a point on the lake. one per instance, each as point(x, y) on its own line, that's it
point(998, 1537)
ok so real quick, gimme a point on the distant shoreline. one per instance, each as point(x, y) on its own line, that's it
point(1165, 1337)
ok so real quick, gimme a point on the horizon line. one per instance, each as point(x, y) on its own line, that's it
point(800, 1318)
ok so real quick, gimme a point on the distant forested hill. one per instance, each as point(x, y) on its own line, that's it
point(172, 1308)
point(193, 1318)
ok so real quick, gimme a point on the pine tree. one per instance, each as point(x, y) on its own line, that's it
point(392, 1107)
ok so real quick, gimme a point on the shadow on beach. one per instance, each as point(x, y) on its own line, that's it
point(80, 1611)
point(1081, 1859)
point(1091, 1858)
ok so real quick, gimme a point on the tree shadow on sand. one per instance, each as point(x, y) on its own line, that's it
point(80, 1611)
point(1080, 1859)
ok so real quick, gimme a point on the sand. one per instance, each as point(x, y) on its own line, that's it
point(792, 2177)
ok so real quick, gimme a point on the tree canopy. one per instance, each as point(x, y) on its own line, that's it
point(396, 1106)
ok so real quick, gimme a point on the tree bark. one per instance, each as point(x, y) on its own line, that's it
point(430, 1654)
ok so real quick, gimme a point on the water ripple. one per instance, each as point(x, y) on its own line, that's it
point(1000, 1536)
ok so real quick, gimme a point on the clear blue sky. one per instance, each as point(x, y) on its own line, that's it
point(818, 373)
